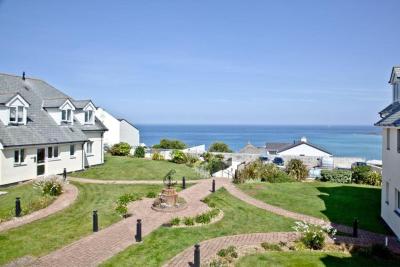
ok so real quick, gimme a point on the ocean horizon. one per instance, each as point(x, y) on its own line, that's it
point(341, 140)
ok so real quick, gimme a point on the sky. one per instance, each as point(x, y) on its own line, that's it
point(211, 61)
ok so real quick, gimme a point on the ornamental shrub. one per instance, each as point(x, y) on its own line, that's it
point(121, 149)
point(219, 147)
point(170, 144)
point(313, 236)
point(336, 176)
point(374, 178)
point(178, 157)
point(360, 174)
point(266, 172)
point(175, 221)
point(297, 169)
point(188, 221)
point(50, 185)
point(139, 152)
point(157, 156)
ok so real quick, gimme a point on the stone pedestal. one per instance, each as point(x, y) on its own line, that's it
point(169, 196)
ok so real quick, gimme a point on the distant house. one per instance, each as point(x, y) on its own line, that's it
point(251, 149)
point(43, 131)
point(390, 123)
point(119, 130)
point(297, 148)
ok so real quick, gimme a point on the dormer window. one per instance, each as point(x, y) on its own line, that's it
point(17, 107)
point(17, 114)
point(66, 115)
point(89, 116)
point(396, 92)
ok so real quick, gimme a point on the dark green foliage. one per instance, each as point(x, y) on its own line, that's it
point(207, 216)
point(376, 250)
point(336, 176)
point(121, 149)
point(189, 221)
point(175, 221)
point(170, 144)
point(51, 186)
point(139, 152)
point(360, 174)
point(219, 147)
point(122, 203)
point(266, 172)
point(178, 157)
point(214, 163)
point(297, 169)
point(229, 252)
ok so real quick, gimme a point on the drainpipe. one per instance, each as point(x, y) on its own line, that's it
point(102, 148)
point(83, 157)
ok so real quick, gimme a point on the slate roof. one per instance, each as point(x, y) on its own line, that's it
point(280, 147)
point(251, 149)
point(391, 117)
point(276, 146)
point(40, 127)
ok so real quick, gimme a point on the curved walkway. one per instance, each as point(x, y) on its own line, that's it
point(97, 181)
point(64, 200)
point(365, 238)
point(98, 247)
point(209, 248)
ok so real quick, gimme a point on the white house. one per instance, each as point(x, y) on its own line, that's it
point(119, 130)
point(297, 148)
point(43, 131)
point(390, 123)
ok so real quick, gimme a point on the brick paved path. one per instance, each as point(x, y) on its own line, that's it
point(97, 181)
point(209, 248)
point(63, 201)
point(365, 237)
point(98, 247)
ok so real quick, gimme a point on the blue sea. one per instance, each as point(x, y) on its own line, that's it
point(346, 141)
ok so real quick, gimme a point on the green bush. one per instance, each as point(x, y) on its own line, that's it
point(313, 236)
point(51, 185)
point(121, 209)
point(374, 178)
point(271, 247)
point(175, 221)
point(188, 221)
point(139, 152)
point(266, 172)
point(122, 203)
point(229, 252)
point(297, 169)
point(121, 149)
point(360, 174)
point(219, 147)
point(203, 218)
point(170, 144)
point(191, 160)
point(157, 156)
point(178, 157)
point(336, 176)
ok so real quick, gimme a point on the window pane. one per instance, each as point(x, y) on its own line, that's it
point(388, 139)
point(50, 152)
point(90, 115)
point(86, 116)
point(68, 115)
point(72, 150)
point(56, 151)
point(63, 115)
point(22, 155)
point(16, 156)
point(20, 114)
point(13, 114)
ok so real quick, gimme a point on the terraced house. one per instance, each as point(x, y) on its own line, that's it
point(390, 122)
point(43, 131)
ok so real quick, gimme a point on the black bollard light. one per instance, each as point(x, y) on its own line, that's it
point(196, 258)
point(17, 207)
point(213, 186)
point(355, 227)
point(183, 182)
point(138, 235)
point(65, 174)
point(95, 221)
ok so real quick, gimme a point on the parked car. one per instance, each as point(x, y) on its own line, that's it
point(264, 158)
point(358, 163)
point(278, 161)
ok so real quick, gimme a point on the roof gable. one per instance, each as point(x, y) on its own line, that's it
point(17, 100)
point(304, 143)
point(67, 105)
point(395, 75)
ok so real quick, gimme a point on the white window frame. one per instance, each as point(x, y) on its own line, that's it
point(19, 156)
point(66, 115)
point(53, 150)
point(89, 147)
point(89, 116)
point(19, 115)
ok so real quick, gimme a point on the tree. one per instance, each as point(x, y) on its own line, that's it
point(220, 147)
point(297, 169)
point(170, 144)
point(139, 152)
point(121, 149)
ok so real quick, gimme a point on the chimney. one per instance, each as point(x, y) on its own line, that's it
point(23, 75)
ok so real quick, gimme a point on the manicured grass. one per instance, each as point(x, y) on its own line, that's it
point(338, 203)
point(43, 236)
point(297, 258)
point(128, 168)
point(31, 200)
point(164, 243)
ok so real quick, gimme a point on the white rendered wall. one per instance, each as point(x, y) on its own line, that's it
point(97, 156)
point(11, 173)
point(305, 150)
point(4, 115)
point(55, 113)
point(129, 134)
point(391, 174)
point(112, 136)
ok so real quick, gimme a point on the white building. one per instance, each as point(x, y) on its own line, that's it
point(297, 148)
point(390, 123)
point(43, 131)
point(119, 130)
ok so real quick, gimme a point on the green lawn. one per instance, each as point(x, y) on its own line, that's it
point(128, 168)
point(62, 228)
point(164, 243)
point(312, 259)
point(31, 200)
point(338, 203)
